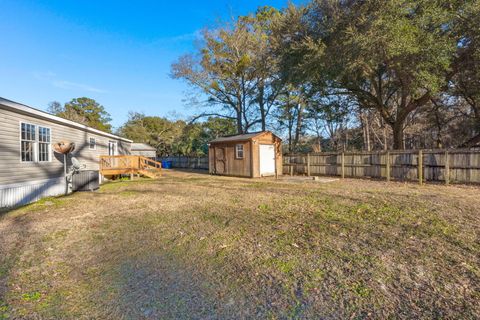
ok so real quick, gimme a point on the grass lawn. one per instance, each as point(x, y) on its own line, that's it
point(195, 246)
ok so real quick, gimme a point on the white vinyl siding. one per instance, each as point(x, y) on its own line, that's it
point(13, 170)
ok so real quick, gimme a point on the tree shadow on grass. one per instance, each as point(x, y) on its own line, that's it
point(161, 288)
point(14, 236)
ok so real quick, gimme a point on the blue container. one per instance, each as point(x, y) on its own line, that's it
point(166, 164)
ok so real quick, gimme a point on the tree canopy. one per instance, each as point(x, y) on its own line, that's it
point(83, 110)
point(388, 70)
point(235, 70)
point(175, 137)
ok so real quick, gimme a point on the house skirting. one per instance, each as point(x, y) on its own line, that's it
point(23, 193)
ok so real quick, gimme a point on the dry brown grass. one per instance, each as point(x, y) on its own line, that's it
point(195, 246)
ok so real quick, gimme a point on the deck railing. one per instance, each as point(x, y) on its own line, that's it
point(127, 164)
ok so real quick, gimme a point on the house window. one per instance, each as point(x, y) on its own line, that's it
point(27, 144)
point(43, 144)
point(92, 142)
point(35, 143)
point(112, 148)
point(239, 151)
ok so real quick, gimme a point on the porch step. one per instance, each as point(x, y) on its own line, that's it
point(118, 165)
point(151, 173)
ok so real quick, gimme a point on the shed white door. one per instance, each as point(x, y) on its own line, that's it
point(267, 160)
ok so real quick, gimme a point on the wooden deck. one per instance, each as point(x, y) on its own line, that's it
point(111, 166)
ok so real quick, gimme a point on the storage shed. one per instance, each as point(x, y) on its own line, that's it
point(144, 150)
point(250, 155)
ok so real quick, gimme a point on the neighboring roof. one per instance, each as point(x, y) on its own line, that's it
point(142, 147)
point(47, 116)
point(240, 137)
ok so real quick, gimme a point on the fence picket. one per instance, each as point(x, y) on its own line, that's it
point(180, 162)
point(452, 166)
point(459, 166)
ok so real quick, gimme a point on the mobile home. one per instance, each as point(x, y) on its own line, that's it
point(29, 169)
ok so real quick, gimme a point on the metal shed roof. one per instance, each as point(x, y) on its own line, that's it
point(142, 147)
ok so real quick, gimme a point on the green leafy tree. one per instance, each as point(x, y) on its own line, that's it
point(83, 110)
point(221, 72)
point(332, 115)
point(266, 74)
point(236, 71)
point(158, 132)
point(175, 137)
point(466, 83)
point(216, 127)
point(196, 136)
point(391, 56)
point(290, 114)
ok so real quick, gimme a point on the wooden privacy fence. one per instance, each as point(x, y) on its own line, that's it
point(448, 166)
point(187, 162)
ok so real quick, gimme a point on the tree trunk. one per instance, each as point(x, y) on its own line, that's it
point(397, 128)
point(239, 122)
point(290, 136)
point(261, 104)
point(385, 137)
point(298, 129)
point(473, 142)
point(367, 131)
point(345, 143)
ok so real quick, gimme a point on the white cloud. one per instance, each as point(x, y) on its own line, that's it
point(51, 77)
point(186, 37)
point(63, 84)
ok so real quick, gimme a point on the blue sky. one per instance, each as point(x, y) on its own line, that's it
point(117, 52)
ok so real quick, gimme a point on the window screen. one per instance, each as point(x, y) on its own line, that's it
point(43, 144)
point(92, 143)
point(239, 151)
point(27, 144)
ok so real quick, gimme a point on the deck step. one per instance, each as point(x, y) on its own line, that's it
point(118, 165)
point(150, 173)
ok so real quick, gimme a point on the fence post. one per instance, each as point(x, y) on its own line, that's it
point(343, 165)
point(308, 164)
point(447, 168)
point(387, 157)
point(420, 167)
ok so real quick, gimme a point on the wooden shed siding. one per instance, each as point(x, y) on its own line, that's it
point(12, 170)
point(234, 167)
point(249, 166)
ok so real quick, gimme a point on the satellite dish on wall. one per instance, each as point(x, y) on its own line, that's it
point(63, 147)
point(76, 164)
